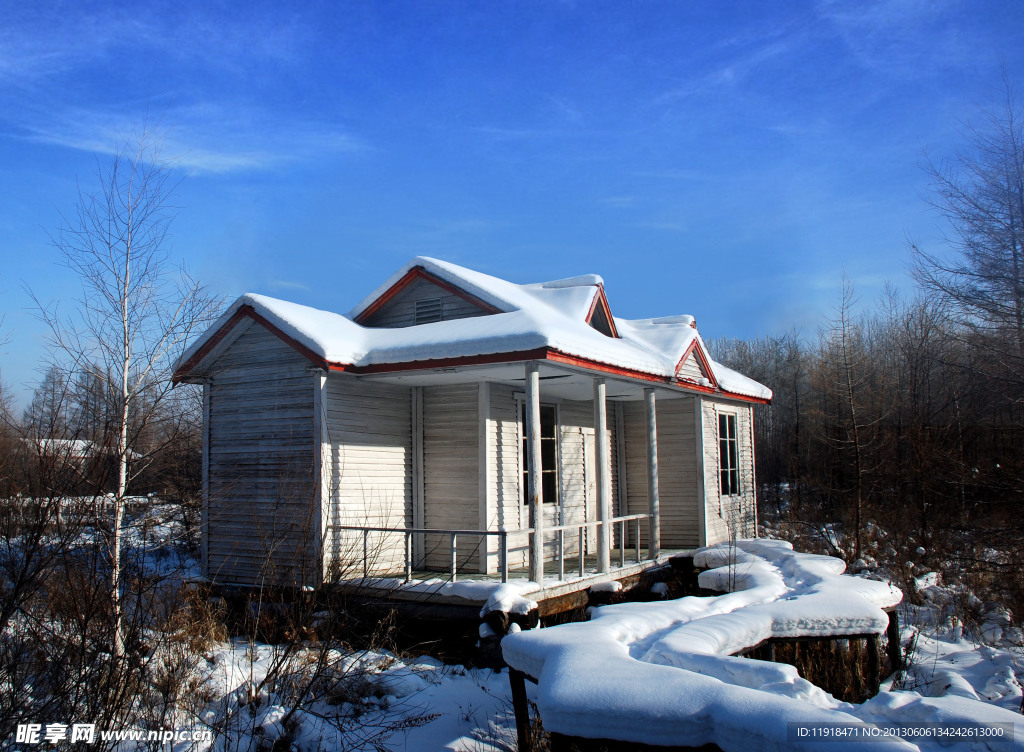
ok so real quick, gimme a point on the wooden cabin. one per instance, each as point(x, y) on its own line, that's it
point(459, 423)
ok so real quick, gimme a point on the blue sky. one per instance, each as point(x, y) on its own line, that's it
point(726, 160)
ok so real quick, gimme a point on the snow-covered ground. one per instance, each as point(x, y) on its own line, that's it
point(659, 670)
point(381, 702)
point(659, 673)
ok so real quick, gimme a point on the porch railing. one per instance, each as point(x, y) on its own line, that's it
point(560, 533)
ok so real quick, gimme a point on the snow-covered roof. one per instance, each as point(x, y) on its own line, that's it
point(546, 315)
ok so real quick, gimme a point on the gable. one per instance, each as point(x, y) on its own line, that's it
point(235, 334)
point(420, 298)
point(600, 316)
point(694, 368)
point(255, 349)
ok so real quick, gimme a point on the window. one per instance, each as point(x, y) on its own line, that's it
point(427, 311)
point(728, 455)
point(548, 455)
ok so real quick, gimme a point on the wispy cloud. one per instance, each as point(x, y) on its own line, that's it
point(41, 41)
point(618, 202)
point(86, 77)
point(734, 61)
point(210, 139)
point(286, 284)
point(906, 38)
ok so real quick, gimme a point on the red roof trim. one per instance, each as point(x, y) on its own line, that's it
point(245, 311)
point(601, 299)
point(548, 354)
point(418, 272)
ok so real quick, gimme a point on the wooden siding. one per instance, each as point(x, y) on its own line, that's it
point(690, 369)
point(728, 517)
point(677, 470)
point(451, 481)
point(369, 438)
point(504, 497)
point(400, 310)
point(260, 464)
point(576, 456)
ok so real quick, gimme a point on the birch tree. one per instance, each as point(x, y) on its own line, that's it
point(135, 312)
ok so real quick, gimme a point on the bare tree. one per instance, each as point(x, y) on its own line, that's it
point(981, 195)
point(135, 313)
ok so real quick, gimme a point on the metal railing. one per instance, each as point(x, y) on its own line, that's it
point(559, 531)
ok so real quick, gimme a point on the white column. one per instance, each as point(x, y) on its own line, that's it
point(603, 477)
point(533, 470)
point(654, 539)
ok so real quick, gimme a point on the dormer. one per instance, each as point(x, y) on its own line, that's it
point(695, 367)
point(600, 316)
point(420, 297)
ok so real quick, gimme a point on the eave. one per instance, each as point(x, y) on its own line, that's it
point(183, 372)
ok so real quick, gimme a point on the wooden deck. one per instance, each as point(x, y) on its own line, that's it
point(564, 587)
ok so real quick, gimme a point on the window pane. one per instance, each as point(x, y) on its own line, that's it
point(547, 454)
point(547, 421)
point(548, 483)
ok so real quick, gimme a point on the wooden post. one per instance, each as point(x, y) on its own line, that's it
point(533, 471)
point(874, 642)
point(604, 463)
point(895, 650)
point(517, 682)
point(654, 537)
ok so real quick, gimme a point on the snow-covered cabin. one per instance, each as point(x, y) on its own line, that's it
point(399, 437)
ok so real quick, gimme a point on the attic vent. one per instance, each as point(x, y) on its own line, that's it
point(427, 311)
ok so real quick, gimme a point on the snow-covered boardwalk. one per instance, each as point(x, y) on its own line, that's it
point(664, 673)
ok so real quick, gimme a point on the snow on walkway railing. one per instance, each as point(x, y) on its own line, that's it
point(663, 674)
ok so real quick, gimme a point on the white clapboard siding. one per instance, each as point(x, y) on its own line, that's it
point(690, 369)
point(260, 517)
point(400, 310)
point(677, 469)
point(369, 448)
point(728, 517)
point(578, 467)
point(451, 480)
point(504, 496)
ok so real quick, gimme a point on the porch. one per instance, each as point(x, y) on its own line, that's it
point(574, 566)
point(495, 476)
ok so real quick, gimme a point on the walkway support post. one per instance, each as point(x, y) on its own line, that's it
point(654, 537)
point(603, 476)
point(533, 471)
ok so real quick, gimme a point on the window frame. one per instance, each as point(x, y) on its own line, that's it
point(553, 472)
point(729, 476)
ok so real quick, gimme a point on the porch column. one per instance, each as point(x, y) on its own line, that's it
point(654, 538)
point(604, 485)
point(533, 471)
